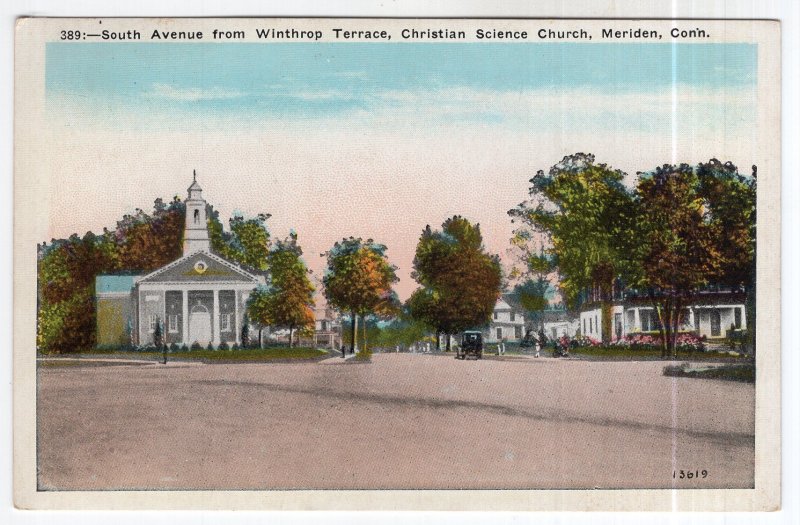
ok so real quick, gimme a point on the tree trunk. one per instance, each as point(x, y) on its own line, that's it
point(662, 335)
point(291, 338)
point(438, 341)
point(448, 341)
point(676, 324)
point(364, 331)
point(353, 334)
point(260, 340)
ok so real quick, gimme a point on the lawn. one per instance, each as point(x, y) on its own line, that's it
point(249, 354)
point(745, 373)
point(618, 353)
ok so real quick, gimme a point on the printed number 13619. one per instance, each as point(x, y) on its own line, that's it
point(689, 474)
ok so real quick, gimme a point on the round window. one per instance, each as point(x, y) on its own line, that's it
point(200, 266)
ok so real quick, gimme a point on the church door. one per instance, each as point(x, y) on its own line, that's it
point(200, 325)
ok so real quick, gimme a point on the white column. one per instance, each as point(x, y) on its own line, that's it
point(637, 321)
point(236, 326)
point(215, 320)
point(185, 318)
point(163, 321)
point(691, 318)
point(744, 318)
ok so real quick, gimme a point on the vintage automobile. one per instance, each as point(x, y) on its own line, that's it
point(471, 345)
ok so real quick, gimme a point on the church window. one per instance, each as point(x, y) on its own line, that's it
point(225, 322)
point(197, 216)
point(153, 321)
point(513, 317)
point(173, 324)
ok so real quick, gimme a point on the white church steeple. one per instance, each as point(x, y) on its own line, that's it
point(195, 234)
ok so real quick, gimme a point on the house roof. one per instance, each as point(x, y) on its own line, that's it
point(114, 283)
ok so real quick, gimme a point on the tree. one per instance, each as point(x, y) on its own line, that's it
point(66, 273)
point(247, 242)
point(246, 331)
point(730, 199)
point(460, 281)
point(358, 278)
point(259, 310)
point(680, 249)
point(587, 218)
point(531, 294)
point(423, 307)
point(291, 295)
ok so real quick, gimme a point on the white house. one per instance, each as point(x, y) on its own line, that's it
point(507, 324)
point(711, 315)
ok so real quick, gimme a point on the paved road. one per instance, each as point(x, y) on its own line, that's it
point(402, 421)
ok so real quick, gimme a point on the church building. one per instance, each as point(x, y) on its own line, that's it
point(198, 298)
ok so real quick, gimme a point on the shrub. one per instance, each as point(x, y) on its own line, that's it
point(364, 355)
point(224, 346)
point(210, 347)
point(173, 347)
point(196, 346)
point(235, 346)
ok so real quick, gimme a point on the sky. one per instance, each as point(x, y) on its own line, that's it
point(376, 140)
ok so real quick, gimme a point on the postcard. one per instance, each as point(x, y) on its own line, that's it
point(447, 264)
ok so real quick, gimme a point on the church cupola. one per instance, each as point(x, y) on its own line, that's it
point(195, 234)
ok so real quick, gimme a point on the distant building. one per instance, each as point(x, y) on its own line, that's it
point(198, 298)
point(327, 325)
point(508, 322)
point(558, 323)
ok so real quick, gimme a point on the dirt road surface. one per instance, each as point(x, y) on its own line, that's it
point(401, 421)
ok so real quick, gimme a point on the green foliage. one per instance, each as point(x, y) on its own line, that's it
point(158, 335)
point(460, 281)
point(729, 200)
point(402, 331)
point(68, 325)
point(359, 278)
point(247, 242)
point(289, 300)
point(589, 218)
point(532, 295)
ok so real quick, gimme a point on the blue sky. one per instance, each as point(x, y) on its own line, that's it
point(376, 140)
point(319, 80)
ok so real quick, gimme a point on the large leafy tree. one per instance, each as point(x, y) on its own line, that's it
point(460, 281)
point(291, 296)
point(730, 199)
point(680, 252)
point(66, 271)
point(730, 206)
point(146, 242)
point(358, 279)
point(587, 219)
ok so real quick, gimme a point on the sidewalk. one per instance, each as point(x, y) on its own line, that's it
point(337, 359)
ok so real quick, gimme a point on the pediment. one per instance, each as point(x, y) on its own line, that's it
point(200, 267)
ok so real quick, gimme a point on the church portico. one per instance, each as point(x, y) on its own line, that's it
point(193, 312)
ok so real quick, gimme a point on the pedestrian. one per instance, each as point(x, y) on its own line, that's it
point(538, 347)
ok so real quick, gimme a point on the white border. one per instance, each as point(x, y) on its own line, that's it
point(787, 11)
